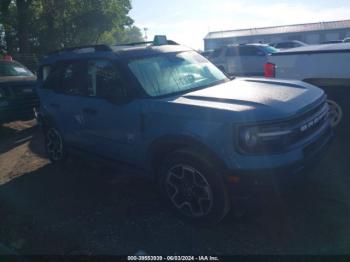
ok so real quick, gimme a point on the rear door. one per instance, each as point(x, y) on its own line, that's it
point(110, 128)
point(60, 96)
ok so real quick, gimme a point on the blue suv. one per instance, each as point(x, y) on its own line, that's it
point(165, 108)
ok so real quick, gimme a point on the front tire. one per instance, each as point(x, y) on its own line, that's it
point(194, 187)
point(54, 145)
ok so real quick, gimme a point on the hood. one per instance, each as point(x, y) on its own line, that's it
point(259, 98)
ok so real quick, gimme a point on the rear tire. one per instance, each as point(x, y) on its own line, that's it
point(54, 145)
point(194, 187)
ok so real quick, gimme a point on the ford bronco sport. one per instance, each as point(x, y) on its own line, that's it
point(163, 107)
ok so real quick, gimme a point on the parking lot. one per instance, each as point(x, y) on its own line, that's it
point(86, 208)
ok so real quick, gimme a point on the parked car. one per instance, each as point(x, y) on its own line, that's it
point(17, 92)
point(288, 44)
point(168, 110)
point(243, 59)
point(346, 40)
point(332, 42)
point(327, 66)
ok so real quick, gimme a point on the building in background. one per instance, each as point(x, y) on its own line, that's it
point(313, 33)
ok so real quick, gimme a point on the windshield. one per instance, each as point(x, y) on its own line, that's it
point(175, 72)
point(13, 69)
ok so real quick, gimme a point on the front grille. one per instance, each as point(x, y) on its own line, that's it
point(309, 114)
point(313, 148)
point(307, 124)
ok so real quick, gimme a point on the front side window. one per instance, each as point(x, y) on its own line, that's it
point(13, 69)
point(170, 73)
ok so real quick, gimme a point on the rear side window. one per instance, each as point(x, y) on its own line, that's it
point(104, 79)
point(52, 80)
point(74, 79)
point(66, 77)
point(249, 51)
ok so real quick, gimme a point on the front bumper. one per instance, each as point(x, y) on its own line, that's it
point(289, 171)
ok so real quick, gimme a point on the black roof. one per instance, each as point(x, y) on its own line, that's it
point(117, 51)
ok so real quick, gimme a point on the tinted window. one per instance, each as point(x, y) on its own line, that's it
point(52, 81)
point(13, 69)
point(231, 51)
point(249, 51)
point(285, 45)
point(74, 79)
point(104, 79)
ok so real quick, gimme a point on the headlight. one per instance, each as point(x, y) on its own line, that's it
point(250, 137)
point(259, 139)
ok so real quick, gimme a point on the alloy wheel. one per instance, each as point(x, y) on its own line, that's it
point(54, 145)
point(189, 191)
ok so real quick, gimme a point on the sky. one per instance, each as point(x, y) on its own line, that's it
point(188, 21)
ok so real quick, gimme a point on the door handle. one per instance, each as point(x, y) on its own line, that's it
point(90, 111)
point(54, 105)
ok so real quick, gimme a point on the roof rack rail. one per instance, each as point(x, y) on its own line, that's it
point(69, 49)
point(170, 42)
point(135, 43)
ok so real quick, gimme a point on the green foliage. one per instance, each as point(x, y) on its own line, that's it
point(54, 24)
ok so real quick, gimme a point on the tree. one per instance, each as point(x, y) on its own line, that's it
point(23, 13)
point(7, 20)
point(45, 25)
point(80, 22)
point(129, 35)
